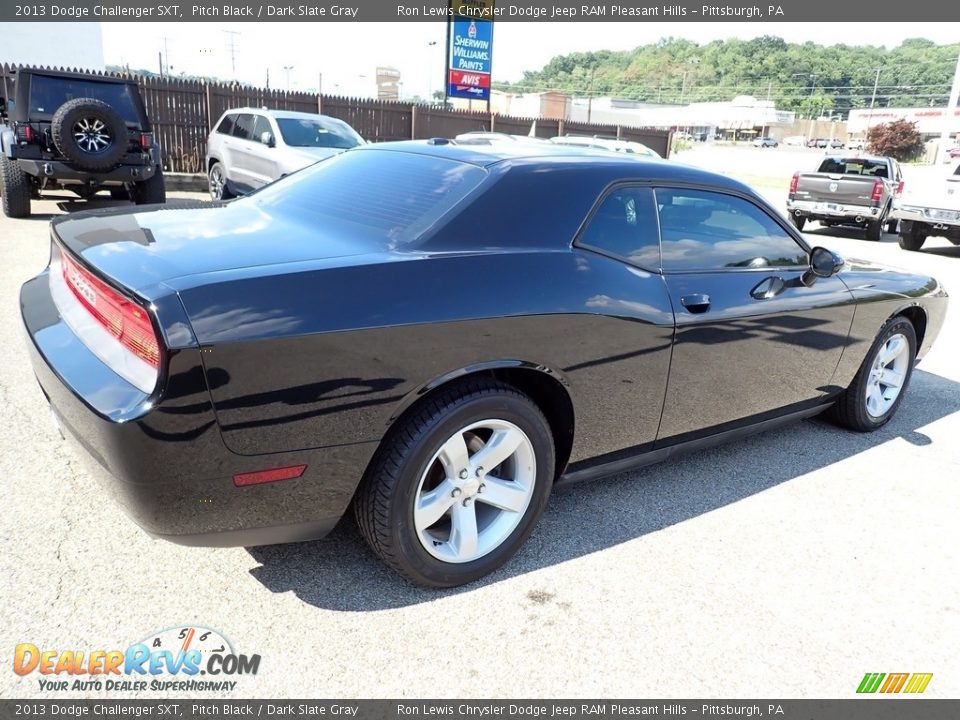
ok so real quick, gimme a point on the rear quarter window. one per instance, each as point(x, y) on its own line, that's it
point(381, 195)
point(226, 125)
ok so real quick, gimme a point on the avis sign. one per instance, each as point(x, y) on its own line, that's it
point(471, 55)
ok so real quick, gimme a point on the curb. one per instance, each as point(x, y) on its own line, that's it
point(185, 182)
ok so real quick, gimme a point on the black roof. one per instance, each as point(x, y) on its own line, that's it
point(69, 74)
point(618, 164)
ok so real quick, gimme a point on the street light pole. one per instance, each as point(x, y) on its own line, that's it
point(287, 69)
point(430, 44)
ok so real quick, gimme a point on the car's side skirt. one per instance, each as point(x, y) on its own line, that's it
point(650, 457)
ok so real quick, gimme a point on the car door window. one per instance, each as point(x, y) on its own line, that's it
point(226, 125)
point(243, 129)
point(624, 226)
point(260, 126)
point(702, 230)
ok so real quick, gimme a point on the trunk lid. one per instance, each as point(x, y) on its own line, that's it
point(139, 248)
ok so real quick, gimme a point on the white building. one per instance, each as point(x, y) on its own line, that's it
point(53, 44)
point(930, 121)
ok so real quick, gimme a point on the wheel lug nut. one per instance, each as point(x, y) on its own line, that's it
point(480, 471)
point(456, 492)
point(463, 474)
point(481, 488)
point(467, 502)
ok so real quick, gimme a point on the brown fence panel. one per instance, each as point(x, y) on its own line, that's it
point(375, 120)
point(441, 122)
point(656, 140)
point(183, 113)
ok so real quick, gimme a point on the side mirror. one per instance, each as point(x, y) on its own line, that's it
point(267, 138)
point(825, 263)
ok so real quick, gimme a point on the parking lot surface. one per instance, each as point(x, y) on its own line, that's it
point(784, 565)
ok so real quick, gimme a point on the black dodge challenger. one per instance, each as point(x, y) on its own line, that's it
point(435, 335)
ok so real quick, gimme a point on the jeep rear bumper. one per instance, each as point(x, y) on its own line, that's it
point(65, 174)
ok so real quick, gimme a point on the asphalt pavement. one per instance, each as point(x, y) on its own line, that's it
point(784, 565)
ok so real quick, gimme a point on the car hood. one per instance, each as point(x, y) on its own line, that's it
point(312, 154)
point(140, 248)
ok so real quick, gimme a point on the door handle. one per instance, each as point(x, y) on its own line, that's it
point(696, 303)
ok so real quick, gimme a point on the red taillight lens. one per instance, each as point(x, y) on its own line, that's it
point(25, 133)
point(127, 322)
point(266, 476)
point(146, 140)
point(899, 191)
point(793, 183)
point(877, 193)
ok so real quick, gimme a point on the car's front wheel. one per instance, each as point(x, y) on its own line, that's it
point(458, 485)
point(878, 387)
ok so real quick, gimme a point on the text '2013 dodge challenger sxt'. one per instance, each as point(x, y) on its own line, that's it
point(435, 335)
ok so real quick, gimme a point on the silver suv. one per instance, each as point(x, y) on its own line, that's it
point(251, 147)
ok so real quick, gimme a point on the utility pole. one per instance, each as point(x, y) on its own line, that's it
point(948, 113)
point(160, 62)
point(232, 35)
point(288, 68)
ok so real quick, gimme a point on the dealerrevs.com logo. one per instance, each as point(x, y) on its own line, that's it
point(187, 658)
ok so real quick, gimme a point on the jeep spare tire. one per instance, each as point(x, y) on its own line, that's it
point(90, 134)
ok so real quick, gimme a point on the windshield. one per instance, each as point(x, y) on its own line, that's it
point(49, 93)
point(318, 132)
point(390, 198)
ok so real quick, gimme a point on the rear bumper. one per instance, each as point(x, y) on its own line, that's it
point(64, 173)
point(816, 210)
point(162, 457)
point(932, 217)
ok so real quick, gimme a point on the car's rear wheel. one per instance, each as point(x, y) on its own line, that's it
point(152, 191)
point(912, 239)
point(798, 221)
point(119, 193)
point(458, 485)
point(14, 189)
point(874, 230)
point(877, 390)
point(217, 182)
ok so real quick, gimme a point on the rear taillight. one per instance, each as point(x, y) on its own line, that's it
point(876, 194)
point(25, 133)
point(123, 319)
point(899, 191)
point(793, 183)
point(146, 140)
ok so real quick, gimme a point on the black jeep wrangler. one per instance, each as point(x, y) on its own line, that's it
point(83, 133)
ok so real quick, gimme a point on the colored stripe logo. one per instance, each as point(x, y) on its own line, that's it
point(912, 683)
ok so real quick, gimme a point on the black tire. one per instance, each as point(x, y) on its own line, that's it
point(874, 230)
point(798, 222)
point(850, 409)
point(87, 112)
point(152, 191)
point(913, 239)
point(14, 189)
point(119, 193)
point(892, 226)
point(217, 182)
point(384, 503)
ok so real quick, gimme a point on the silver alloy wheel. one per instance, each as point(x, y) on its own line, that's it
point(887, 375)
point(92, 135)
point(216, 183)
point(475, 491)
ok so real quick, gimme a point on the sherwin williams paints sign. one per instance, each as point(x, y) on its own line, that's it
point(470, 61)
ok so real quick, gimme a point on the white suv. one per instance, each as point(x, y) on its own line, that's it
point(251, 147)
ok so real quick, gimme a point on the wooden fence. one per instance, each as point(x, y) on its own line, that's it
point(182, 113)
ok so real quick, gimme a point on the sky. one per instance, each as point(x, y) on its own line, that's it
point(343, 57)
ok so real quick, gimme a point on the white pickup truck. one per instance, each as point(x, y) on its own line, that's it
point(928, 208)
